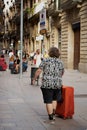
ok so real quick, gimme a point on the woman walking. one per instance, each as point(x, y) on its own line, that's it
point(53, 69)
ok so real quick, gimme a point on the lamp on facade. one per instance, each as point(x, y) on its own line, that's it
point(79, 5)
point(46, 5)
point(60, 14)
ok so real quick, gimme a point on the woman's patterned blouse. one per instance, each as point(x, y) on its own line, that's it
point(53, 69)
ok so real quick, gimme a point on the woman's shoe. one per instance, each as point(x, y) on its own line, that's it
point(52, 122)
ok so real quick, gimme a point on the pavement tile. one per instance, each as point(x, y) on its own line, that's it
point(22, 107)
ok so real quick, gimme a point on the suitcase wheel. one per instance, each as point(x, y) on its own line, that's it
point(69, 117)
point(64, 117)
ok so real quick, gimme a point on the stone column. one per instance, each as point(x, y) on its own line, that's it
point(83, 42)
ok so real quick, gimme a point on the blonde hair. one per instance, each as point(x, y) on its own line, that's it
point(11, 58)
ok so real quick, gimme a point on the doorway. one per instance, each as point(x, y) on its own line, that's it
point(76, 29)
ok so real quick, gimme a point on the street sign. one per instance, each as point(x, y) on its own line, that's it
point(43, 21)
point(43, 31)
point(40, 37)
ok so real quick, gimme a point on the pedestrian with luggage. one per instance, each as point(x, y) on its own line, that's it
point(37, 60)
point(52, 69)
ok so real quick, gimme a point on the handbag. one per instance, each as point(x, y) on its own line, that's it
point(59, 96)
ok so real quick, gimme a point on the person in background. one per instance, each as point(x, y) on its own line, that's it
point(37, 58)
point(10, 53)
point(32, 57)
point(3, 51)
point(52, 69)
point(25, 63)
point(17, 63)
point(11, 61)
point(45, 54)
point(3, 64)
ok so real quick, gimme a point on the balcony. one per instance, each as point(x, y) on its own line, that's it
point(25, 33)
point(35, 9)
point(1, 7)
point(68, 4)
point(25, 16)
point(13, 34)
point(54, 8)
point(17, 2)
point(33, 13)
point(2, 29)
point(18, 5)
point(1, 11)
point(1, 19)
point(2, 3)
point(17, 20)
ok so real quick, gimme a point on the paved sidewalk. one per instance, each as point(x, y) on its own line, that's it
point(22, 107)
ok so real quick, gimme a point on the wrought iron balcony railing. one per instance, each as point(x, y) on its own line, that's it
point(67, 4)
point(54, 7)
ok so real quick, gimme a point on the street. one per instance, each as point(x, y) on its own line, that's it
point(22, 107)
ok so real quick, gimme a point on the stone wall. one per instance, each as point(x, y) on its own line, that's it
point(83, 42)
point(64, 39)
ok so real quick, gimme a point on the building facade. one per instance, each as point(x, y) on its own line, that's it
point(1, 23)
point(73, 34)
point(63, 25)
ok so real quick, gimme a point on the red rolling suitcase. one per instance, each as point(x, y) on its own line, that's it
point(66, 108)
